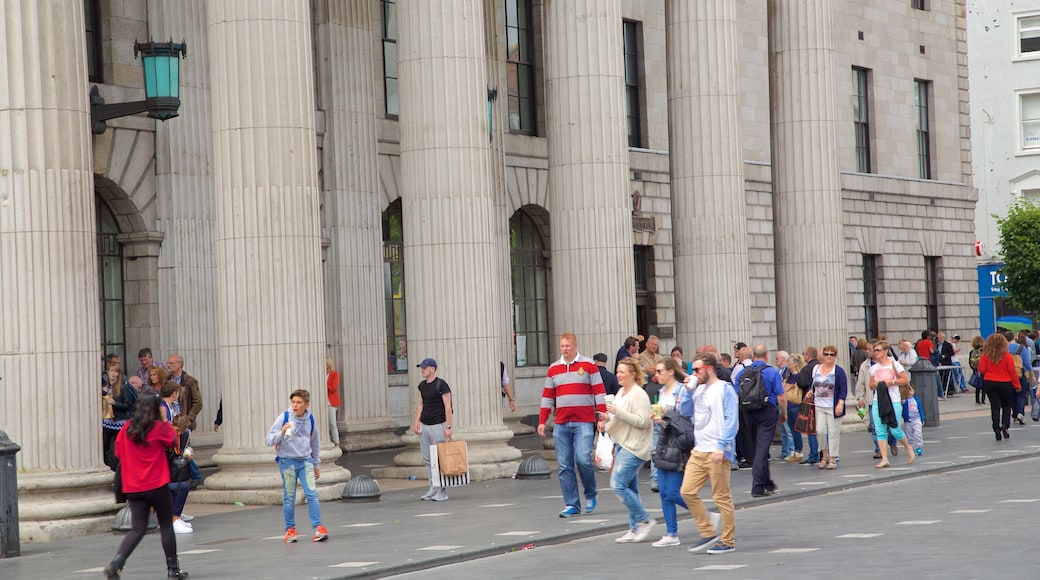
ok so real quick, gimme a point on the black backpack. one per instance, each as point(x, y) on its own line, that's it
point(752, 389)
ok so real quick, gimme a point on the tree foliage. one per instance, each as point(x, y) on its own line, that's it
point(1020, 249)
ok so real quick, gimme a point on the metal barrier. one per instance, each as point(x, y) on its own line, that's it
point(9, 541)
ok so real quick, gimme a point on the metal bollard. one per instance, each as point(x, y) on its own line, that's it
point(9, 542)
point(925, 379)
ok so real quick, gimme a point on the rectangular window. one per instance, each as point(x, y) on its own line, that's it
point(918, 4)
point(632, 34)
point(520, 66)
point(390, 57)
point(861, 117)
point(1029, 113)
point(1028, 34)
point(92, 16)
point(932, 264)
point(870, 294)
point(922, 94)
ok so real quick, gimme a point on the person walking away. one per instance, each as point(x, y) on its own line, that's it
point(1000, 381)
point(977, 343)
point(432, 420)
point(296, 451)
point(761, 421)
point(332, 387)
point(574, 389)
point(713, 405)
point(628, 422)
point(141, 448)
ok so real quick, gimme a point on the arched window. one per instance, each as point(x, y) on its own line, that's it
point(110, 282)
point(530, 302)
point(393, 284)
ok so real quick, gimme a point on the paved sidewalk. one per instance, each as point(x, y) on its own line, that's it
point(401, 533)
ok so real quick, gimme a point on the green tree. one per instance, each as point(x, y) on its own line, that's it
point(1020, 249)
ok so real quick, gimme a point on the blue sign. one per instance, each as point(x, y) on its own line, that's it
point(991, 281)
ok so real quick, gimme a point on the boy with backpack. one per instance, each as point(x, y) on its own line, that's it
point(296, 450)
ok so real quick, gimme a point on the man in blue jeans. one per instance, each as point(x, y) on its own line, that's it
point(574, 388)
point(296, 450)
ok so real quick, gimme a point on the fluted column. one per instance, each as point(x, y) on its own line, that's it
point(589, 203)
point(187, 264)
point(355, 309)
point(49, 328)
point(268, 239)
point(709, 222)
point(449, 208)
point(807, 215)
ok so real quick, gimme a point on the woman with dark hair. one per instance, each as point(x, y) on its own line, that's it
point(123, 398)
point(999, 381)
point(141, 448)
point(973, 361)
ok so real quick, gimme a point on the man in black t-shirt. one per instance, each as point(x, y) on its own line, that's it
point(432, 419)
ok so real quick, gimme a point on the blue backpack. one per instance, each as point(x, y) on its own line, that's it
point(285, 419)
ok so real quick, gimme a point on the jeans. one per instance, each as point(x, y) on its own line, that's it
point(302, 470)
point(669, 484)
point(196, 475)
point(1019, 401)
point(574, 448)
point(333, 429)
point(796, 437)
point(653, 445)
point(624, 480)
point(179, 489)
point(786, 437)
point(958, 377)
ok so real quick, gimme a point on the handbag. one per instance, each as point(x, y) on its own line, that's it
point(976, 380)
point(117, 485)
point(792, 393)
point(805, 422)
point(180, 467)
point(107, 411)
point(451, 457)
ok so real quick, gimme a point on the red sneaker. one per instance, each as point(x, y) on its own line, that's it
point(290, 536)
point(320, 534)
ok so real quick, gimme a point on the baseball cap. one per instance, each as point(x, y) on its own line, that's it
point(599, 357)
point(739, 346)
point(427, 362)
point(956, 337)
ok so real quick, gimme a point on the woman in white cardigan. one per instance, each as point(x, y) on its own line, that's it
point(628, 423)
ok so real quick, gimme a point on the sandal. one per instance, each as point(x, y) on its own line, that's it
point(832, 465)
point(822, 464)
point(882, 465)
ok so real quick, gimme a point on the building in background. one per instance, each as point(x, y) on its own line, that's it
point(341, 182)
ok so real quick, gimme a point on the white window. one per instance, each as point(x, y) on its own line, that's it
point(1029, 35)
point(1029, 113)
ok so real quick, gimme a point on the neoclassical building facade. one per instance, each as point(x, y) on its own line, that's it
point(378, 181)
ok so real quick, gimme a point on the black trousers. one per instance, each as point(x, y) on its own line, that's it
point(1000, 397)
point(761, 426)
point(141, 504)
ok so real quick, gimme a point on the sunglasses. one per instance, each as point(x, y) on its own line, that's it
point(879, 350)
point(658, 371)
point(830, 354)
point(696, 369)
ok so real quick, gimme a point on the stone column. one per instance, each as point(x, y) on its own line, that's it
point(449, 212)
point(589, 203)
point(706, 163)
point(268, 239)
point(50, 344)
point(355, 310)
point(807, 214)
point(187, 297)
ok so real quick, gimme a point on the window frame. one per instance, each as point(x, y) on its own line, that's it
point(529, 271)
point(633, 86)
point(871, 269)
point(861, 122)
point(393, 265)
point(95, 57)
point(932, 268)
point(528, 124)
point(919, 5)
point(388, 80)
point(925, 136)
point(1020, 121)
point(111, 306)
point(1016, 40)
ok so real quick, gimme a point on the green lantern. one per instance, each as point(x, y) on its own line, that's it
point(162, 70)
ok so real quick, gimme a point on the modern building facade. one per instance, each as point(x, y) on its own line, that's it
point(1004, 68)
point(379, 181)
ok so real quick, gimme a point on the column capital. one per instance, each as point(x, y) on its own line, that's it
point(141, 244)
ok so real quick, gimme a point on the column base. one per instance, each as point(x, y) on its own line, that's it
point(58, 506)
point(369, 433)
point(490, 456)
point(250, 476)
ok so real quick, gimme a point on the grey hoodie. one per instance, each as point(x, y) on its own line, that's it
point(303, 442)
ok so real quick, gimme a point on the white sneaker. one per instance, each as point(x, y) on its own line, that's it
point(643, 530)
point(440, 495)
point(628, 538)
point(180, 527)
point(666, 541)
point(186, 517)
point(429, 494)
point(716, 521)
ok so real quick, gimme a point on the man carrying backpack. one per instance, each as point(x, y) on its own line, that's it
point(760, 394)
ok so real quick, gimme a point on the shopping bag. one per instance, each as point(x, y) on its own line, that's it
point(604, 452)
point(450, 459)
point(805, 422)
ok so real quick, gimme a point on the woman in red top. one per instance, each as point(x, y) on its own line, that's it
point(332, 383)
point(998, 379)
point(141, 448)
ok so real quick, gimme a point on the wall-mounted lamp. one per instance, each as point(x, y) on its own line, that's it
point(161, 61)
point(492, 96)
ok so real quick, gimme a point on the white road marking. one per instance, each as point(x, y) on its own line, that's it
point(918, 522)
point(793, 550)
point(366, 525)
point(497, 505)
point(353, 564)
point(441, 548)
point(1019, 500)
point(721, 567)
point(520, 533)
point(199, 551)
point(433, 515)
point(969, 511)
point(857, 536)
